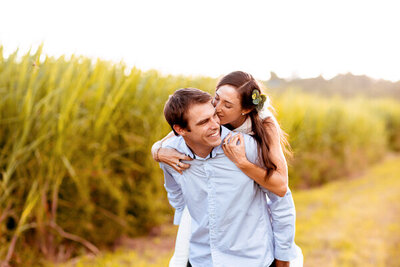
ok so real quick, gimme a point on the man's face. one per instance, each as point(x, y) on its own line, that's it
point(204, 126)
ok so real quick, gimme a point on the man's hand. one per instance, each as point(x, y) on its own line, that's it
point(279, 263)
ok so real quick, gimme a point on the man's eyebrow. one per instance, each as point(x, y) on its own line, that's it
point(202, 121)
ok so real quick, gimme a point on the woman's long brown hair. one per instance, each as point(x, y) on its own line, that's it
point(245, 84)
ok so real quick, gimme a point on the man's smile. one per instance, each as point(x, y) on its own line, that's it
point(215, 133)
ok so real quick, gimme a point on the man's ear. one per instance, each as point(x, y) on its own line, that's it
point(179, 130)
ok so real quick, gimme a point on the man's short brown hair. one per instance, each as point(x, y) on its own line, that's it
point(178, 104)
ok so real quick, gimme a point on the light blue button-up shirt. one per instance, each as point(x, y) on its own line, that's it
point(232, 222)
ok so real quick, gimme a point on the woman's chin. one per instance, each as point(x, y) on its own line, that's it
point(222, 121)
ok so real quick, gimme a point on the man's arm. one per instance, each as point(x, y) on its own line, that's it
point(174, 193)
point(282, 212)
point(283, 215)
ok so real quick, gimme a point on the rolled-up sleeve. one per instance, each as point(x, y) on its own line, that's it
point(174, 194)
point(283, 215)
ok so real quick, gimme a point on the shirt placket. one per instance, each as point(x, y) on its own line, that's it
point(212, 212)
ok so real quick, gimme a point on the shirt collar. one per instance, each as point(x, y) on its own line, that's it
point(179, 144)
point(245, 127)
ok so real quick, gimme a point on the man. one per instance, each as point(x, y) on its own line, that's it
point(232, 223)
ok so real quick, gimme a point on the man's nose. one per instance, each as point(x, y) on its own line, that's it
point(216, 122)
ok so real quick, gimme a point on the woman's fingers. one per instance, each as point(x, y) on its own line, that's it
point(178, 169)
point(172, 157)
point(226, 139)
point(178, 165)
point(235, 149)
point(230, 143)
point(225, 149)
point(184, 166)
point(234, 140)
point(185, 157)
point(241, 139)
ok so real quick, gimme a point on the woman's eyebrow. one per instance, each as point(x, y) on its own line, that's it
point(224, 99)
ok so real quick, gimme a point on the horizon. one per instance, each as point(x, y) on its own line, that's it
point(288, 79)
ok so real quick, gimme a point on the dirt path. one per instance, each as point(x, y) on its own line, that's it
point(352, 223)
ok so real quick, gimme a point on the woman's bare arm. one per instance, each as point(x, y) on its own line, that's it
point(169, 156)
point(157, 145)
point(277, 182)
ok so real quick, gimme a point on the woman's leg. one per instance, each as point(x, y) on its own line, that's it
point(181, 254)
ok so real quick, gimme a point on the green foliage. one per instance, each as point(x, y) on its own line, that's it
point(389, 112)
point(75, 139)
point(335, 137)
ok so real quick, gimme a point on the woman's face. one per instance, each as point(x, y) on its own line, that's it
point(228, 105)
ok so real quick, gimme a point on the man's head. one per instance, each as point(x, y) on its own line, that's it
point(190, 113)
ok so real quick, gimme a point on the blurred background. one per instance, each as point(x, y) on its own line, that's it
point(82, 90)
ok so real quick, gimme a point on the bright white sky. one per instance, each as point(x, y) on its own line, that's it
point(292, 38)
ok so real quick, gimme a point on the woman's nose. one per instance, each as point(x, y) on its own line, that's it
point(217, 106)
point(214, 102)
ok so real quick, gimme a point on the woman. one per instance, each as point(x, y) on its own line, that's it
point(241, 107)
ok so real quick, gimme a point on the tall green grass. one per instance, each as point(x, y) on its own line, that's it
point(75, 138)
point(335, 137)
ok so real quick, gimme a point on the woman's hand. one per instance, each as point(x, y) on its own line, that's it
point(173, 158)
point(235, 150)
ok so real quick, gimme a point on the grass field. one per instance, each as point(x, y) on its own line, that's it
point(351, 222)
point(75, 137)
